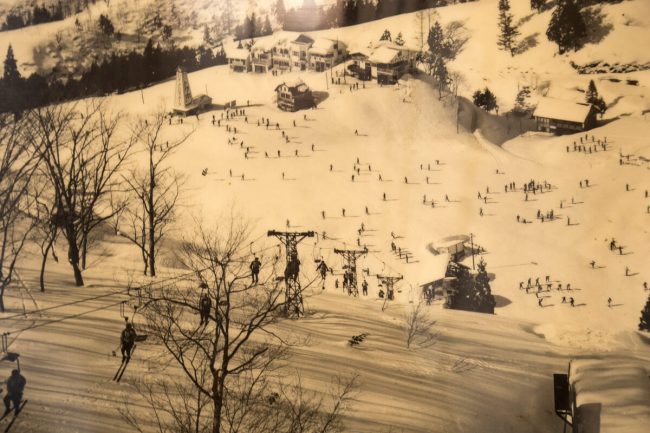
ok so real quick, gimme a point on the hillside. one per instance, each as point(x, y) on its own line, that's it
point(408, 172)
point(484, 373)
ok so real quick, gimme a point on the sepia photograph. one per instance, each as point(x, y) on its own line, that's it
point(325, 216)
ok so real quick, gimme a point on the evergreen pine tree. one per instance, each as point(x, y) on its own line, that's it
point(12, 86)
point(538, 5)
point(592, 97)
point(11, 74)
point(592, 93)
point(441, 74)
point(399, 40)
point(522, 105)
point(106, 25)
point(490, 101)
point(507, 29)
point(386, 36)
point(644, 322)
point(436, 40)
point(484, 300)
point(567, 26)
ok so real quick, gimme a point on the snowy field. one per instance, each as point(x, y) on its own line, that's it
point(484, 373)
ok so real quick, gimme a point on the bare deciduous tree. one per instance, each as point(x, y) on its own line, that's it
point(154, 192)
point(417, 325)
point(82, 155)
point(17, 167)
point(47, 231)
point(229, 359)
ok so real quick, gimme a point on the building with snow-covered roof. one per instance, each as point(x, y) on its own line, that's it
point(300, 51)
point(239, 59)
point(606, 395)
point(389, 62)
point(262, 55)
point(325, 53)
point(282, 55)
point(384, 60)
point(294, 95)
point(564, 117)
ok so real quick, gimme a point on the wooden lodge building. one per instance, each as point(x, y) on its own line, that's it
point(294, 96)
point(387, 62)
point(564, 117)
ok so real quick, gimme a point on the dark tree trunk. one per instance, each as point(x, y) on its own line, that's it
point(73, 258)
point(41, 278)
point(152, 215)
point(84, 250)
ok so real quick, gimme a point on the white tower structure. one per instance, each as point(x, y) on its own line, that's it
point(183, 94)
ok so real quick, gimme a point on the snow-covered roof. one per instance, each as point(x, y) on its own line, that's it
point(237, 53)
point(430, 268)
point(384, 55)
point(295, 85)
point(323, 46)
point(303, 39)
point(612, 395)
point(391, 44)
point(559, 109)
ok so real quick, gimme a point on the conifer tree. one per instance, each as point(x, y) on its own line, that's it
point(567, 26)
point(386, 36)
point(592, 97)
point(441, 74)
point(538, 5)
point(399, 40)
point(522, 105)
point(436, 41)
point(644, 322)
point(507, 29)
point(11, 74)
point(484, 301)
point(106, 25)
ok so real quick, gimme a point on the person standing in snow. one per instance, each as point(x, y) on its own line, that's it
point(364, 287)
point(15, 388)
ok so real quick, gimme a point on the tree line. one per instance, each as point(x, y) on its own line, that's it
point(344, 13)
point(118, 73)
point(18, 17)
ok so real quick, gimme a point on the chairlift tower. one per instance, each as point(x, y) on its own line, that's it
point(293, 292)
point(350, 257)
point(389, 283)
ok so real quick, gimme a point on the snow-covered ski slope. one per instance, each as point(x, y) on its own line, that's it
point(485, 373)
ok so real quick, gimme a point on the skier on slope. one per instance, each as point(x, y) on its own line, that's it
point(127, 340)
point(15, 387)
